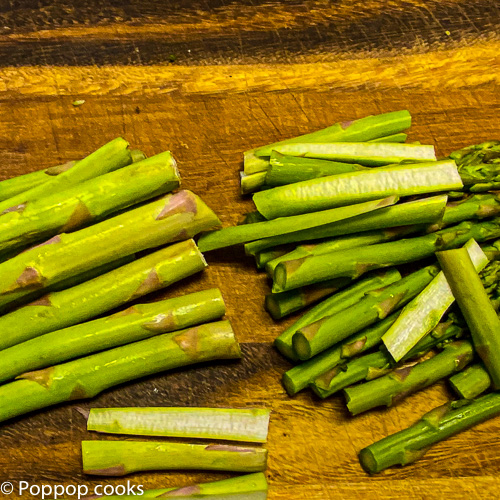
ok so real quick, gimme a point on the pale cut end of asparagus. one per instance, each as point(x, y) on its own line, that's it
point(425, 311)
point(246, 425)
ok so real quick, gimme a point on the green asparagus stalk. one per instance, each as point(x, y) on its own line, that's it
point(253, 164)
point(279, 305)
point(138, 322)
point(262, 258)
point(392, 388)
point(428, 210)
point(111, 156)
point(87, 300)
point(408, 445)
point(247, 425)
point(476, 307)
point(471, 382)
point(302, 272)
point(249, 183)
point(172, 218)
point(333, 304)
point(235, 235)
point(118, 458)
point(87, 202)
point(87, 377)
point(314, 338)
point(425, 311)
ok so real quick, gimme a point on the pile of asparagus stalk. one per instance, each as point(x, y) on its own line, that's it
point(85, 239)
point(384, 238)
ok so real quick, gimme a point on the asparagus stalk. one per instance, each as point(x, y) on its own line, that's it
point(262, 258)
point(172, 218)
point(425, 311)
point(138, 322)
point(336, 303)
point(395, 386)
point(279, 305)
point(89, 201)
point(247, 232)
point(118, 458)
point(87, 300)
point(409, 445)
point(302, 272)
point(476, 307)
point(247, 425)
point(87, 377)
point(428, 210)
point(111, 156)
point(249, 183)
point(314, 338)
point(471, 382)
point(253, 164)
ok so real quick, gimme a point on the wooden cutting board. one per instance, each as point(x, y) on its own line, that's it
point(208, 80)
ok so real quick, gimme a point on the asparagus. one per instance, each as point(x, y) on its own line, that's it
point(87, 377)
point(425, 311)
point(248, 425)
point(395, 386)
point(302, 272)
point(337, 302)
point(253, 164)
point(138, 322)
point(247, 232)
point(409, 445)
point(111, 156)
point(118, 458)
point(262, 258)
point(174, 217)
point(471, 382)
point(400, 137)
point(87, 202)
point(250, 183)
point(87, 300)
point(424, 211)
point(356, 187)
point(476, 307)
point(279, 305)
point(314, 338)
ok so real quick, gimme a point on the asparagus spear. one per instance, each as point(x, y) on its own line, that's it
point(302, 272)
point(247, 232)
point(415, 212)
point(471, 382)
point(87, 202)
point(409, 445)
point(111, 156)
point(87, 300)
point(425, 311)
point(337, 302)
point(356, 187)
point(247, 425)
point(395, 386)
point(253, 164)
point(279, 305)
point(87, 377)
point(476, 307)
point(249, 183)
point(262, 258)
point(118, 458)
point(138, 322)
point(174, 217)
point(314, 338)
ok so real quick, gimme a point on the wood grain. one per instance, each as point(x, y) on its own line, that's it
point(246, 73)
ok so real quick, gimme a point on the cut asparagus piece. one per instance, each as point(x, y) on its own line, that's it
point(172, 218)
point(87, 300)
point(111, 156)
point(250, 183)
point(425, 311)
point(138, 322)
point(476, 307)
point(336, 303)
point(86, 202)
point(471, 382)
point(279, 305)
point(118, 458)
point(262, 258)
point(253, 164)
point(247, 425)
point(314, 338)
point(302, 272)
point(397, 385)
point(428, 210)
point(408, 445)
point(87, 377)
point(235, 235)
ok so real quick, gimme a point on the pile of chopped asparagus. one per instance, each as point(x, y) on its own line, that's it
point(399, 251)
